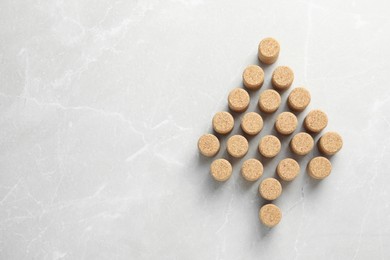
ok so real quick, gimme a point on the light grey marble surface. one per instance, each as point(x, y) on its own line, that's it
point(102, 103)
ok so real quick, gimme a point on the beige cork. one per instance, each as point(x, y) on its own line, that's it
point(252, 123)
point(253, 77)
point(282, 78)
point(269, 146)
point(269, 101)
point(270, 189)
point(270, 215)
point(286, 123)
point(316, 121)
point(208, 145)
point(319, 168)
point(330, 143)
point(221, 169)
point(269, 50)
point(302, 143)
point(237, 146)
point(252, 170)
point(288, 169)
point(223, 122)
point(298, 99)
point(238, 100)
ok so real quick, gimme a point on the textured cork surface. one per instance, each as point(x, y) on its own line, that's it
point(269, 101)
point(208, 145)
point(269, 146)
point(286, 123)
point(288, 169)
point(316, 121)
point(221, 169)
point(252, 123)
point(298, 99)
point(237, 146)
point(302, 143)
point(270, 215)
point(270, 189)
point(319, 167)
point(253, 77)
point(238, 100)
point(282, 78)
point(268, 50)
point(252, 169)
point(330, 143)
point(223, 122)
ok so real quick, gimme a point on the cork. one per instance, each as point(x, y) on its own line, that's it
point(270, 189)
point(286, 123)
point(252, 170)
point(237, 146)
point(269, 101)
point(253, 77)
point(269, 146)
point(298, 99)
point(221, 169)
point(269, 50)
point(223, 122)
point(319, 168)
point(238, 100)
point(208, 145)
point(282, 78)
point(302, 143)
point(252, 123)
point(315, 121)
point(270, 215)
point(330, 143)
point(288, 169)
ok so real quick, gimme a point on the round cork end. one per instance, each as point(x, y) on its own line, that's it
point(221, 169)
point(282, 78)
point(252, 170)
point(269, 50)
point(319, 168)
point(269, 146)
point(330, 143)
point(269, 101)
point(286, 123)
point(253, 77)
point(208, 145)
point(270, 189)
point(252, 123)
point(237, 146)
point(316, 121)
point(238, 100)
point(298, 99)
point(223, 122)
point(302, 143)
point(288, 169)
point(270, 215)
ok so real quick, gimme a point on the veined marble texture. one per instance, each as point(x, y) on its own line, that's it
point(102, 104)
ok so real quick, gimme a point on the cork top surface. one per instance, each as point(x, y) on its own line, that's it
point(302, 143)
point(221, 169)
point(270, 215)
point(269, 101)
point(237, 146)
point(288, 169)
point(282, 77)
point(330, 143)
point(269, 146)
point(315, 121)
point(252, 123)
point(286, 123)
point(238, 100)
point(252, 169)
point(270, 189)
point(268, 50)
point(299, 99)
point(223, 122)
point(319, 167)
point(253, 77)
point(208, 145)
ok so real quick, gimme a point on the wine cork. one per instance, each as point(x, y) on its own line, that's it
point(315, 121)
point(269, 146)
point(238, 100)
point(270, 215)
point(330, 143)
point(221, 169)
point(286, 123)
point(270, 189)
point(282, 78)
point(288, 169)
point(269, 101)
point(252, 123)
point(302, 143)
point(319, 168)
point(223, 122)
point(237, 146)
point(208, 145)
point(253, 77)
point(298, 99)
point(269, 50)
point(252, 170)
